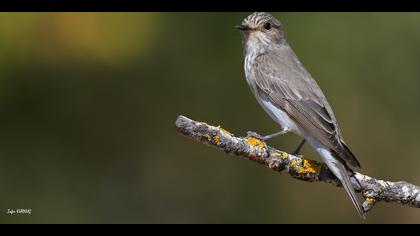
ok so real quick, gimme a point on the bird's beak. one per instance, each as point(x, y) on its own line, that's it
point(242, 27)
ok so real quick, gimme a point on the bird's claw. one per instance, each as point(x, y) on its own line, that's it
point(255, 135)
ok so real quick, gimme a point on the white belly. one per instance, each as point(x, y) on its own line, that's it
point(281, 117)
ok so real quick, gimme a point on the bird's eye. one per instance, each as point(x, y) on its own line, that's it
point(267, 26)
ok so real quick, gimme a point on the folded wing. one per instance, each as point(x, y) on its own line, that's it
point(288, 86)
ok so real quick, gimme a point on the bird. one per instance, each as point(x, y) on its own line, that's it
point(292, 97)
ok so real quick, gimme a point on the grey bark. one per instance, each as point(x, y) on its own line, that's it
point(252, 148)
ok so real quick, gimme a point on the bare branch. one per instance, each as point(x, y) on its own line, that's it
point(373, 190)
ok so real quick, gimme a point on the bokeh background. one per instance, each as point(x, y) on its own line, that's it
point(88, 103)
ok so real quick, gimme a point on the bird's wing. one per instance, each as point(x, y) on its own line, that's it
point(289, 86)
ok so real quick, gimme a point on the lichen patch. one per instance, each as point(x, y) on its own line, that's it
point(281, 155)
point(224, 131)
point(216, 139)
point(254, 142)
point(370, 201)
point(311, 166)
point(306, 166)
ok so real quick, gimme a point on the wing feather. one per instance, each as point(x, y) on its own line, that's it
point(290, 87)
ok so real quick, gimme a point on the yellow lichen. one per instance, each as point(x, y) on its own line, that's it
point(308, 167)
point(282, 155)
point(216, 139)
point(225, 131)
point(311, 166)
point(255, 142)
point(212, 138)
point(370, 201)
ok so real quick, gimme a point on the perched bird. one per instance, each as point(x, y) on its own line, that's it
point(289, 94)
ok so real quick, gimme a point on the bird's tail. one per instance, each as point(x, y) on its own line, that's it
point(340, 171)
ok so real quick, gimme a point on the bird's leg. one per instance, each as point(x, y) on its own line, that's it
point(267, 137)
point(283, 131)
point(296, 152)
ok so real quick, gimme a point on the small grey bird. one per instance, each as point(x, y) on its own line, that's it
point(291, 97)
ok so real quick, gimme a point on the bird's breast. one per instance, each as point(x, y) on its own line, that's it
point(249, 70)
point(276, 113)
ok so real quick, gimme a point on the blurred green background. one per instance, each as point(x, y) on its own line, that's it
point(88, 103)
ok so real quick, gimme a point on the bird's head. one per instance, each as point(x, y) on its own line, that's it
point(261, 31)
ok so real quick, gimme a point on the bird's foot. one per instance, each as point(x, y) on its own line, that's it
point(267, 137)
point(255, 135)
point(296, 154)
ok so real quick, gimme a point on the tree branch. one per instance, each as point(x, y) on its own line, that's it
point(373, 190)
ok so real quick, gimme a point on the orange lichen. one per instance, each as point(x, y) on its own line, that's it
point(306, 167)
point(255, 142)
point(370, 201)
point(212, 138)
point(311, 166)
